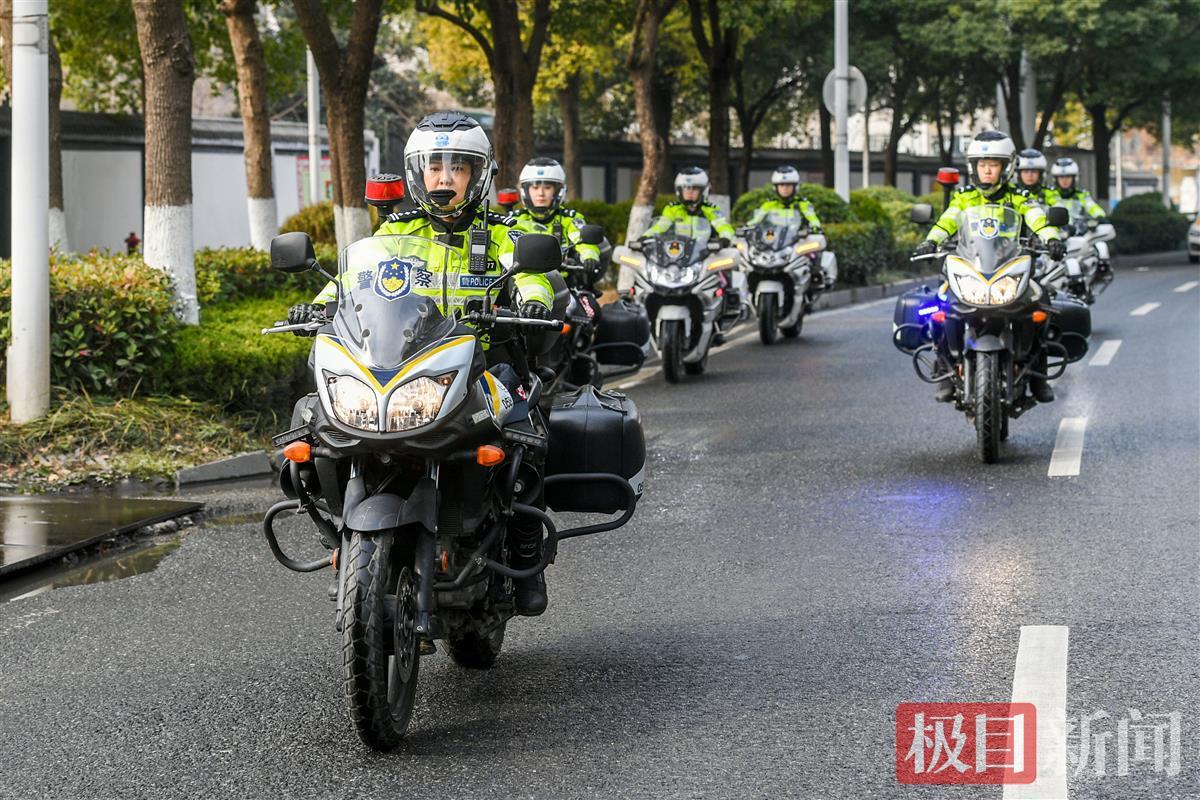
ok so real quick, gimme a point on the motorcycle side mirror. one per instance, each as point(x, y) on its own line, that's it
point(591, 234)
point(538, 253)
point(635, 245)
point(293, 252)
point(1058, 216)
point(922, 213)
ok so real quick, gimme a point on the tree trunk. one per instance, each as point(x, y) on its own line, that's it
point(1101, 142)
point(748, 131)
point(718, 129)
point(1010, 87)
point(345, 76)
point(662, 93)
point(256, 119)
point(891, 153)
point(642, 66)
point(826, 145)
point(568, 106)
point(166, 54)
point(1057, 91)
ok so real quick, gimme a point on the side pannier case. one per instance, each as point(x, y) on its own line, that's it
point(623, 333)
point(594, 433)
point(1070, 325)
point(908, 324)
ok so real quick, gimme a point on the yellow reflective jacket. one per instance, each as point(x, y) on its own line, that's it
point(1009, 195)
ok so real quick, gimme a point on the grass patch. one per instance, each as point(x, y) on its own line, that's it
point(99, 440)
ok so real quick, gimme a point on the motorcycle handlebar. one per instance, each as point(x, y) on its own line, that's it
point(481, 318)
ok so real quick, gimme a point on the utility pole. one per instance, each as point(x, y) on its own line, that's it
point(866, 147)
point(1117, 159)
point(28, 382)
point(1028, 100)
point(1166, 148)
point(841, 103)
point(314, 132)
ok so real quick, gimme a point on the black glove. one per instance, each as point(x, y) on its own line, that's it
point(724, 241)
point(535, 311)
point(1056, 249)
point(300, 314)
point(925, 248)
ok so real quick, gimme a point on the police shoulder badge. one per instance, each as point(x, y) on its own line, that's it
point(393, 277)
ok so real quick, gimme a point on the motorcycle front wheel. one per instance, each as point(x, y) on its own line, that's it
point(989, 411)
point(767, 330)
point(670, 345)
point(380, 657)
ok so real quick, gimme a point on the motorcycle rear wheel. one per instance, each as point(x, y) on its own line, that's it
point(767, 330)
point(380, 661)
point(988, 408)
point(670, 345)
point(477, 651)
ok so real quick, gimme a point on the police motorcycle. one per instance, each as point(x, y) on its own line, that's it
point(412, 459)
point(592, 336)
point(987, 325)
point(1089, 264)
point(675, 271)
point(779, 256)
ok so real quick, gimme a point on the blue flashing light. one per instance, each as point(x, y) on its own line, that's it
point(927, 310)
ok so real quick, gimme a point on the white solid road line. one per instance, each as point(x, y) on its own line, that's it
point(1144, 309)
point(1143, 269)
point(1186, 287)
point(1040, 678)
point(1068, 448)
point(1104, 355)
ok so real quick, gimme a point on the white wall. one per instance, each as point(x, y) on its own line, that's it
point(102, 192)
point(219, 217)
point(593, 183)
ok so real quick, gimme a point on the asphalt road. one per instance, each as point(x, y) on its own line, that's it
point(817, 544)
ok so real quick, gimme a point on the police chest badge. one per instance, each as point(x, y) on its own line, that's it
point(989, 228)
point(770, 235)
point(394, 277)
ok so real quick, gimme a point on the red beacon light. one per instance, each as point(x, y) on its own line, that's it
point(947, 176)
point(384, 191)
point(508, 197)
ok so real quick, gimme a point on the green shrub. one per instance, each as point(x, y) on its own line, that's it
point(1145, 225)
point(865, 208)
point(885, 194)
point(111, 319)
point(228, 361)
point(863, 249)
point(317, 222)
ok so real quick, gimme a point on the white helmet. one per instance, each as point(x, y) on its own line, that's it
point(443, 143)
point(543, 170)
point(692, 177)
point(994, 145)
point(1065, 168)
point(1031, 159)
point(785, 175)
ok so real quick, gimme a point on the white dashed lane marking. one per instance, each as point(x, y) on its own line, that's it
point(1186, 287)
point(1104, 355)
point(1068, 448)
point(1040, 678)
point(1144, 309)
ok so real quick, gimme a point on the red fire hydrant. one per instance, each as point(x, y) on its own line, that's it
point(131, 242)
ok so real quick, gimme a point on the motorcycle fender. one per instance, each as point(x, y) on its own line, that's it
point(676, 312)
point(1101, 250)
point(1074, 270)
point(988, 343)
point(382, 512)
point(769, 287)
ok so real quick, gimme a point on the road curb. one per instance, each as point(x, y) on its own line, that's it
point(255, 464)
point(865, 294)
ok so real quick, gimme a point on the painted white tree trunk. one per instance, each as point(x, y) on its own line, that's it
point(353, 224)
point(168, 246)
point(58, 231)
point(639, 221)
point(264, 222)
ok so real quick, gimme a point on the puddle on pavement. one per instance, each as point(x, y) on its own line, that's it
point(36, 529)
point(134, 558)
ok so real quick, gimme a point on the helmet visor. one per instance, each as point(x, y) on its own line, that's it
point(444, 181)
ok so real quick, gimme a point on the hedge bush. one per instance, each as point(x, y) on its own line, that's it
point(1145, 225)
point(863, 249)
point(231, 273)
point(111, 320)
point(317, 222)
point(865, 208)
point(227, 360)
point(614, 217)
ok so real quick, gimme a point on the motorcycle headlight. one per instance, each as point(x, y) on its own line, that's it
point(970, 288)
point(1005, 290)
point(417, 402)
point(673, 276)
point(354, 403)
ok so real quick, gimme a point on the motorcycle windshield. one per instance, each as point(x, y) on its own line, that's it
point(679, 241)
point(989, 236)
point(399, 295)
point(1079, 217)
point(777, 229)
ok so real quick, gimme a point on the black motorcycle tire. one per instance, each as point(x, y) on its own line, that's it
point(793, 331)
point(768, 332)
point(474, 650)
point(988, 408)
point(696, 367)
point(380, 658)
point(670, 345)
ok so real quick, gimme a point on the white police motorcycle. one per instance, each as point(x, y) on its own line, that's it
point(681, 274)
point(779, 257)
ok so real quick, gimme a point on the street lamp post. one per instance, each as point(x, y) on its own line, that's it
point(28, 381)
point(314, 132)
